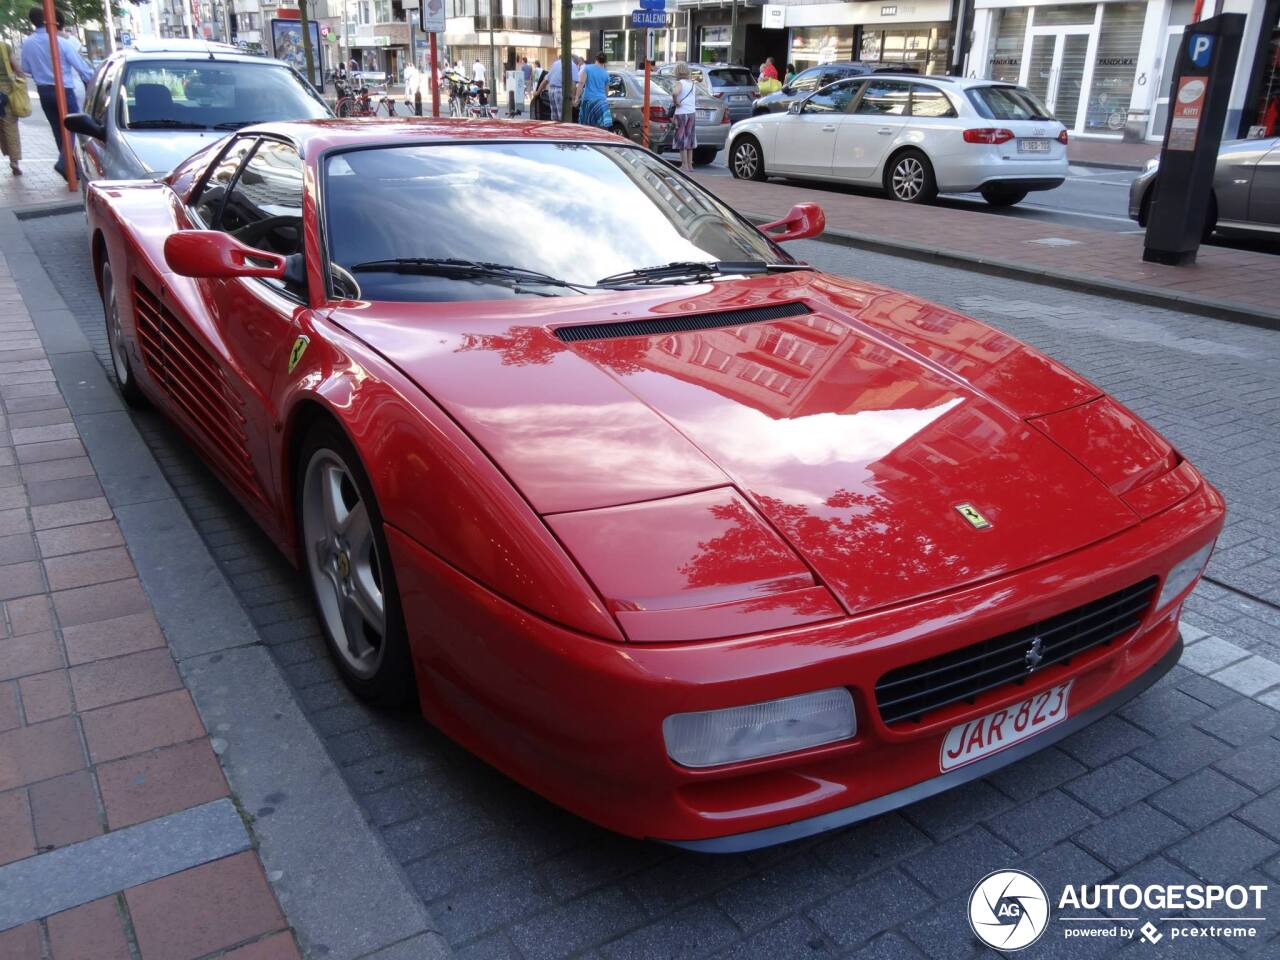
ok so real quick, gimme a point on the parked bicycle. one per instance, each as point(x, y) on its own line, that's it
point(360, 102)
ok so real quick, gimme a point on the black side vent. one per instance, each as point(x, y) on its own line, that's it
point(679, 324)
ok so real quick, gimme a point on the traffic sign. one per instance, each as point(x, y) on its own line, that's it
point(647, 19)
point(126, 38)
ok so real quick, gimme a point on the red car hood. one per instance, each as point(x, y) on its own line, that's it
point(856, 426)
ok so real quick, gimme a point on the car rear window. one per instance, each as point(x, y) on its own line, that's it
point(731, 77)
point(1008, 103)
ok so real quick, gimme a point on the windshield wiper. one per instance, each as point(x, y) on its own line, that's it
point(685, 271)
point(165, 124)
point(463, 270)
point(236, 124)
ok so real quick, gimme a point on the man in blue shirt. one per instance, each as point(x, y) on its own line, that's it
point(38, 62)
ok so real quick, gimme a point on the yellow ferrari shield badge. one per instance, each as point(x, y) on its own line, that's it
point(970, 513)
point(299, 348)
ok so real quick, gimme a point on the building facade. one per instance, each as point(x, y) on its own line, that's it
point(1104, 67)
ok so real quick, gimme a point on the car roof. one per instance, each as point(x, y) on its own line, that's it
point(315, 136)
point(159, 48)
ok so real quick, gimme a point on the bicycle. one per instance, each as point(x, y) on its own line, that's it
point(360, 103)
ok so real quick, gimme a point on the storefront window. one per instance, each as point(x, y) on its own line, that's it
point(1114, 66)
point(1266, 121)
point(614, 45)
point(815, 45)
point(1006, 54)
point(1065, 14)
point(714, 45)
point(922, 48)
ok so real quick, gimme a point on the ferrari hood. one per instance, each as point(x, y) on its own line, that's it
point(885, 439)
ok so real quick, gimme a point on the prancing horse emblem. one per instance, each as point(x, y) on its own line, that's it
point(1034, 654)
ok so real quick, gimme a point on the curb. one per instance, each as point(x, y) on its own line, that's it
point(1046, 276)
point(323, 859)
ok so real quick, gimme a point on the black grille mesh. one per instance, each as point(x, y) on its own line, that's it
point(908, 693)
point(678, 324)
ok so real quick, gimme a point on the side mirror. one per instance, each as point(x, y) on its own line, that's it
point(795, 106)
point(211, 253)
point(804, 221)
point(85, 125)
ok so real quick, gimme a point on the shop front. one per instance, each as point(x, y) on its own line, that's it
point(916, 36)
point(1260, 114)
point(606, 26)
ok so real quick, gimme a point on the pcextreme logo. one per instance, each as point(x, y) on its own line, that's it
point(1010, 910)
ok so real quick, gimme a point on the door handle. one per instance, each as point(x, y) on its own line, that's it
point(885, 131)
point(829, 128)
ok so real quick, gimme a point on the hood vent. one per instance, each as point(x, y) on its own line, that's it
point(649, 326)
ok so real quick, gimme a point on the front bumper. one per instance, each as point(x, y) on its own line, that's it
point(579, 720)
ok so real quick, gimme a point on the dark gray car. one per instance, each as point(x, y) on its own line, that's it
point(152, 105)
point(1246, 189)
point(815, 78)
point(734, 85)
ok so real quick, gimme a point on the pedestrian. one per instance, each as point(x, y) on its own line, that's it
point(526, 71)
point(592, 96)
point(685, 97)
point(14, 104)
point(539, 102)
point(38, 62)
point(768, 71)
point(790, 75)
point(477, 72)
point(410, 84)
point(552, 85)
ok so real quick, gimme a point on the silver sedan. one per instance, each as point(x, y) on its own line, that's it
point(1246, 189)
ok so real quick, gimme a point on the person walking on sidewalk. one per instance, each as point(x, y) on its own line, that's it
point(593, 103)
point(37, 61)
point(686, 98)
point(13, 91)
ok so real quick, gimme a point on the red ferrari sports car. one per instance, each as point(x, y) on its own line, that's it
point(691, 538)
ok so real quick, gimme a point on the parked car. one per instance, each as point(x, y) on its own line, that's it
point(915, 136)
point(716, 548)
point(812, 79)
point(626, 104)
point(155, 103)
point(711, 123)
point(1246, 189)
point(735, 85)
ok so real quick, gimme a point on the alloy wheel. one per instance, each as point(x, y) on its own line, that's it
point(908, 178)
point(342, 557)
point(115, 334)
point(746, 160)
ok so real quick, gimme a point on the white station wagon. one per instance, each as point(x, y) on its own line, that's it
point(914, 136)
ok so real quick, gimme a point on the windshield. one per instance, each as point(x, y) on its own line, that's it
point(213, 95)
point(731, 77)
point(1008, 103)
point(575, 212)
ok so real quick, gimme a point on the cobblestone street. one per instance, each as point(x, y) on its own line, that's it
point(1182, 783)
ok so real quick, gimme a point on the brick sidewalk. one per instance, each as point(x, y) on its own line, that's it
point(38, 183)
point(101, 748)
point(1111, 263)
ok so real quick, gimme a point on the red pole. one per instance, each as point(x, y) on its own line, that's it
point(435, 80)
point(646, 96)
point(51, 28)
point(1195, 13)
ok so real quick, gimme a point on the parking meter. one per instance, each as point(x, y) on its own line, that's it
point(1197, 110)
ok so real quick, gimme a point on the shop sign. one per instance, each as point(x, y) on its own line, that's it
point(773, 16)
point(1117, 61)
point(889, 10)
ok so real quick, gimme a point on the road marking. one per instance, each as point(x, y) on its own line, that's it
point(51, 882)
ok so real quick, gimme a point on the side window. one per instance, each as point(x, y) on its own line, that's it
point(833, 99)
point(930, 102)
point(102, 92)
point(617, 86)
point(208, 202)
point(264, 207)
point(806, 80)
point(885, 98)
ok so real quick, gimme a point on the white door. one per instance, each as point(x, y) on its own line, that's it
point(1055, 70)
point(806, 140)
point(866, 134)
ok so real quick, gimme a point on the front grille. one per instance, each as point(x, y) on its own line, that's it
point(909, 693)
point(678, 324)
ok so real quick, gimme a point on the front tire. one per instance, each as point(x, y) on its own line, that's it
point(125, 380)
point(353, 584)
point(746, 162)
point(704, 155)
point(1003, 198)
point(909, 177)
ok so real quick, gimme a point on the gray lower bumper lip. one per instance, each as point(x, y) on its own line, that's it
point(784, 833)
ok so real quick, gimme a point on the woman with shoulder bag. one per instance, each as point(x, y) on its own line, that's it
point(15, 103)
point(686, 99)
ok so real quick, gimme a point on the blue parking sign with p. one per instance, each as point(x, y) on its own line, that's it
point(1200, 48)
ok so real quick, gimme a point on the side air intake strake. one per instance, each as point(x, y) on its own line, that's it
point(650, 326)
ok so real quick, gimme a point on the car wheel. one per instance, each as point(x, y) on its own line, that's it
point(704, 155)
point(1003, 198)
point(125, 380)
point(349, 568)
point(747, 161)
point(909, 178)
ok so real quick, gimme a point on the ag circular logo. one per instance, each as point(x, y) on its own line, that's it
point(1008, 910)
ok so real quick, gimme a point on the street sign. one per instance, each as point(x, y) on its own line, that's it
point(126, 38)
point(647, 19)
point(433, 16)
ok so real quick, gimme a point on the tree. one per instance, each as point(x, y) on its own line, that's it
point(13, 13)
point(566, 60)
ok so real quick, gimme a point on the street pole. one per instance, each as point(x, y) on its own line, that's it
point(51, 29)
point(346, 39)
point(306, 41)
point(566, 60)
point(493, 66)
point(435, 80)
point(644, 124)
point(733, 30)
point(110, 27)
